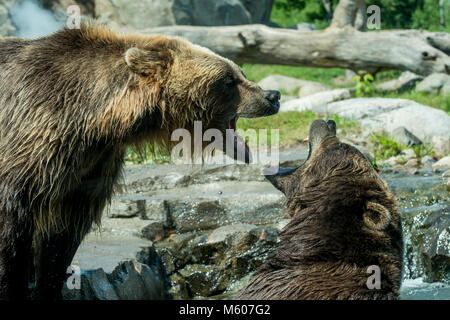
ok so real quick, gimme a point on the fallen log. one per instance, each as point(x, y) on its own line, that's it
point(417, 51)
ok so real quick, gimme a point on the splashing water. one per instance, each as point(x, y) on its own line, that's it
point(33, 21)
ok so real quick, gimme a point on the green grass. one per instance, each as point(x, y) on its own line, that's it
point(293, 126)
point(385, 147)
point(437, 101)
point(256, 72)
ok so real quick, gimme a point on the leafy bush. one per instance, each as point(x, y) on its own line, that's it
point(363, 85)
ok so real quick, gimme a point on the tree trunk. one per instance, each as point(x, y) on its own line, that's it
point(417, 51)
point(350, 13)
point(327, 5)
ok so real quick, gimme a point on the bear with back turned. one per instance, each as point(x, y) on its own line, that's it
point(345, 237)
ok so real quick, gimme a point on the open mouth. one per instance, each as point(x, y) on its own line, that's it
point(236, 146)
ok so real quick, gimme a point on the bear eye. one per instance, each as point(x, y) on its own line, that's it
point(230, 81)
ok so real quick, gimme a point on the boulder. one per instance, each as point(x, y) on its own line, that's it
point(436, 247)
point(403, 136)
point(383, 114)
point(279, 82)
point(427, 161)
point(346, 79)
point(154, 231)
point(441, 145)
point(444, 163)
point(407, 80)
point(136, 14)
point(136, 281)
point(151, 13)
point(59, 7)
point(7, 28)
point(311, 89)
point(433, 83)
point(317, 102)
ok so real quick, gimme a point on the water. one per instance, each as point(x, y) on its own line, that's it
point(417, 289)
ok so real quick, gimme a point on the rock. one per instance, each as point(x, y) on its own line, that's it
point(317, 102)
point(124, 208)
point(279, 82)
point(211, 205)
point(408, 154)
point(412, 163)
point(436, 247)
point(202, 280)
point(311, 89)
point(135, 281)
point(383, 114)
point(285, 98)
point(441, 145)
point(100, 285)
point(427, 161)
point(346, 79)
point(179, 288)
point(407, 80)
point(210, 262)
point(152, 13)
point(427, 249)
point(403, 136)
point(444, 163)
point(445, 90)
point(59, 7)
point(6, 26)
point(154, 231)
point(136, 14)
point(220, 234)
point(446, 174)
point(433, 83)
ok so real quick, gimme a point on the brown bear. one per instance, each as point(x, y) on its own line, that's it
point(70, 105)
point(345, 235)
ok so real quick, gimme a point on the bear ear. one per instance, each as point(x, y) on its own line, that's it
point(376, 216)
point(279, 178)
point(146, 62)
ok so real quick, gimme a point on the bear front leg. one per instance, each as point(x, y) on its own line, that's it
point(53, 255)
point(16, 237)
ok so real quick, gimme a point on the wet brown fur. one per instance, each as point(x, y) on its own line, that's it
point(344, 219)
point(70, 104)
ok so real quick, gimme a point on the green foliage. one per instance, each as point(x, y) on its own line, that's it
point(287, 13)
point(395, 14)
point(424, 150)
point(363, 85)
point(385, 147)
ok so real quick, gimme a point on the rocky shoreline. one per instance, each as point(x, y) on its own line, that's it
point(185, 233)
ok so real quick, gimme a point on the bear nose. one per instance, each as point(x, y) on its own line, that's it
point(273, 96)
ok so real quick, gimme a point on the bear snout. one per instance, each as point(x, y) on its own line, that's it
point(273, 96)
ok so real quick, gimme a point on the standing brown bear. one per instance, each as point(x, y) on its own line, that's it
point(70, 105)
point(344, 227)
